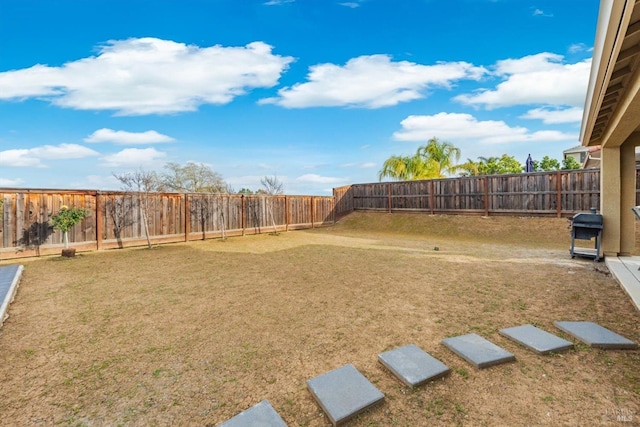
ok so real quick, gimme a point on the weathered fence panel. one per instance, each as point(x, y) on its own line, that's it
point(343, 200)
point(323, 211)
point(121, 218)
point(558, 193)
point(25, 220)
point(117, 219)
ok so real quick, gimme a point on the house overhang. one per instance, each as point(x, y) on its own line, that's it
point(612, 106)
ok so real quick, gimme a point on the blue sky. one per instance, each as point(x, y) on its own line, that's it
point(316, 92)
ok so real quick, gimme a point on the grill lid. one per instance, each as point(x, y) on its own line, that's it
point(587, 219)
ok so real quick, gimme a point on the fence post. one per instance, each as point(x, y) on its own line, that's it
point(559, 194)
point(312, 211)
point(242, 212)
point(431, 198)
point(333, 209)
point(98, 221)
point(286, 214)
point(187, 217)
point(389, 195)
point(486, 196)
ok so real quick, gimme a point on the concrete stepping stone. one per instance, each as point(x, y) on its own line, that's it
point(9, 278)
point(412, 365)
point(260, 415)
point(595, 335)
point(542, 342)
point(478, 351)
point(344, 393)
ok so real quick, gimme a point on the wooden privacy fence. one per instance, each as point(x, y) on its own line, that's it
point(559, 193)
point(116, 218)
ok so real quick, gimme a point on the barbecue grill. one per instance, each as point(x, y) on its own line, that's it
point(586, 226)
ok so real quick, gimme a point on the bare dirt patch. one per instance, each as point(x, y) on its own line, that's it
point(192, 334)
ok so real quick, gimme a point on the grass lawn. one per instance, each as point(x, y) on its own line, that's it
point(192, 334)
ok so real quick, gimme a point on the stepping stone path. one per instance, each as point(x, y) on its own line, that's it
point(595, 335)
point(478, 351)
point(9, 278)
point(344, 393)
point(412, 365)
point(260, 415)
point(542, 342)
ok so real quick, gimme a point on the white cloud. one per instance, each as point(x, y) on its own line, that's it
point(149, 76)
point(455, 127)
point(31, 157)
point(350, 4)
point(133, 157)
point(578, 47)
point(365, 165)
point(277, 2)
point(63, 151)
point(537, 79)
point(19, 158)
point(371, 82)
point(540, 12)
point(318, 179)
point(121, 137)
point(5, 182)
point(551, 116)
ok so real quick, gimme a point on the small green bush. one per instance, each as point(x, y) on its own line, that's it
point(66, 219)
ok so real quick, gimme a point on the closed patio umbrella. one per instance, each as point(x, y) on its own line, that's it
point(528, 166)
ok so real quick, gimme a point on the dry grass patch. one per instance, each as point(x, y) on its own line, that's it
point(192, 334)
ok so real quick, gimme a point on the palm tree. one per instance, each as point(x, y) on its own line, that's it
point(439, 156)
point(401, 168)
point(433, 160)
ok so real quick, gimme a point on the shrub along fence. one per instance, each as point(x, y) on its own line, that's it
point(560, 193)
point(116, 218)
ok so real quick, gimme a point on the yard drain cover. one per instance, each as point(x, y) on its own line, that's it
point(344, 393)
point(595, 335)
point(478, 351)
point(260, 415)
point(542, 342)
point(412, 365)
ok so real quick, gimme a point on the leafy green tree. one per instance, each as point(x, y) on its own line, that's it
point(193, 178)
point(245, 191)
point(570, 163)
point(66, 219)
point(547, 164)
point(491, 166)
point(434, 160)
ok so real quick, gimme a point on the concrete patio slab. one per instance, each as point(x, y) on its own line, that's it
point(595, 335)
point(535, 339)
point(412, 365)
point(344, 393)
point(260, 415)
point(478, 351)
point(9, 278)
point(626, 270)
